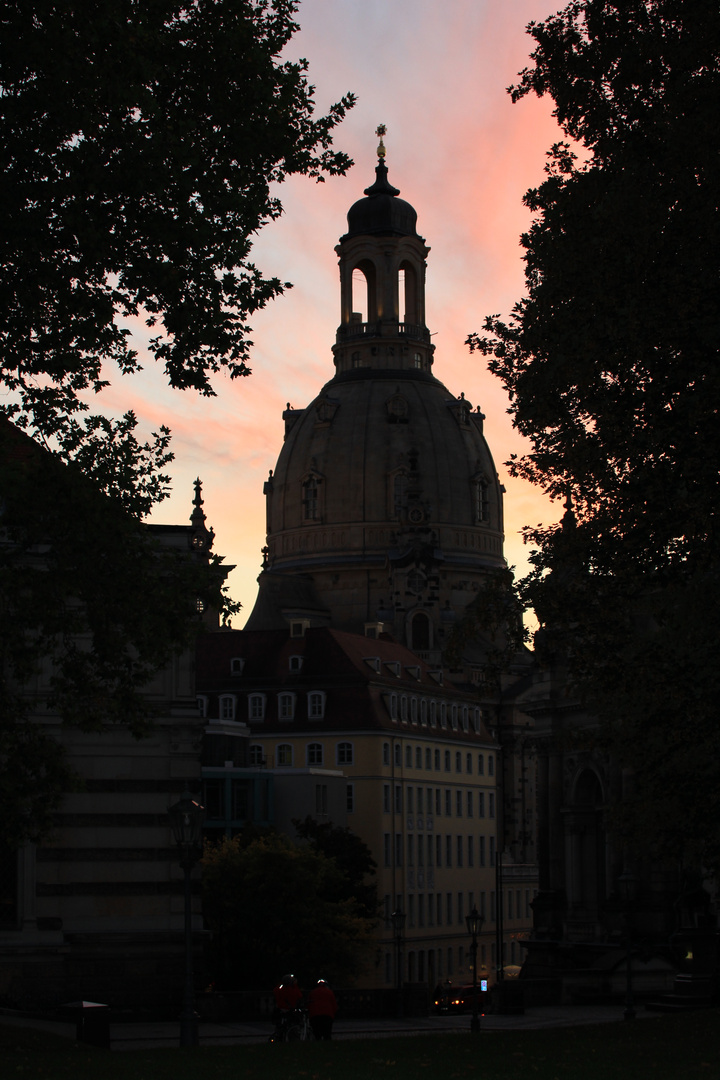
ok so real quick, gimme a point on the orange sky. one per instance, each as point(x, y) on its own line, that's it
point(435, 73)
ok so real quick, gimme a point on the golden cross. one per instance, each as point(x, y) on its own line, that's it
point(381, 130)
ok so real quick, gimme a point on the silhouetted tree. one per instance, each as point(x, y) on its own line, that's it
point(273, 906)
point(611, 363)
point(352, 856)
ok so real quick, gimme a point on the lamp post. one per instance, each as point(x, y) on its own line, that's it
point(474, 924)
point(627, 883)
point(398, 920)
point(186, 819)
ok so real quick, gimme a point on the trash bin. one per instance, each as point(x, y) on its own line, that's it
point(92, 1022)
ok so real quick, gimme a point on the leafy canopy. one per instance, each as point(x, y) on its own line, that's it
point(611, 363)
point(139, 140)
point(273, 906)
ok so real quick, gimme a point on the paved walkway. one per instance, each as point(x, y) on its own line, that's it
point(138, 1036)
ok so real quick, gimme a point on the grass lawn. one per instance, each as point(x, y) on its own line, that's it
point(673, 1047)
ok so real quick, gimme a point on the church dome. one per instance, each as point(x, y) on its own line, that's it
point(381, 213)
point(385, 507)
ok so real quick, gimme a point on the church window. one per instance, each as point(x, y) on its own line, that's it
point(400, 487)
point(345, 754)
point(481, 507)
point(310, 498)
point(256, 707)
point(418, 360)
point(416, 581)
point(420, 632)
point(284, 755)
point(314, 753)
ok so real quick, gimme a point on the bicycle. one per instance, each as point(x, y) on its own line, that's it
point(293, 1028)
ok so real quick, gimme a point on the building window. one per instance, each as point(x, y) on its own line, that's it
point(350, 798)
point(458, 804)
point(386, 848)
point(393, 707)
point(454, 713)
point(410, 791)
point(477, 717)
point(286, 706)
point(398, 754)
point(345, 753)
point(237, 664)
point(448, 851)
point(403, 709)
point(316, 705)
point(437, 760)
point(433, 714)
point(448, 909)
point(443, 714)
point(256, 707)
point(227, 707)
point(459, 851)
point(408, 757)
point(469, 804)
point(428, 758)
point(202, 704)
point(491, 804)
point(398, 849)
point(460, 918)
point(423, 713)
point(255, 754)
point(321, 799)
point(491, 765)
point(296, 663)
point(481, 851)
point(448, 802)
point(420, 632)
point(284, 754)
point(465, 712)
point(386, 753)
point(310, 498)
point(314, 753)
point(447, 761)
point(413, 710)
point(470, 851)
point(481, 804)
point(481, 500)
point(438, 851)
point(438, 802)
point(481, 764)
point(386, 798)
point(492, 850)
point(458, 761)
point(398, 799)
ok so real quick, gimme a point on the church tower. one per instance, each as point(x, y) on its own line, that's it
point(384, 511)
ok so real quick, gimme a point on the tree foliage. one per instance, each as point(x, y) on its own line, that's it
point(611, 363)
point(273, 906)
point(139, 140)
point(352, 857)
point(141, 144)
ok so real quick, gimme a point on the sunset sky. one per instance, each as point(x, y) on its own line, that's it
point(435, 73)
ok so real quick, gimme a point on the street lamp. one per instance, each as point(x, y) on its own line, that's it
point(186, 819)
point(627, 883)
point(474, 924)
point(398, 920)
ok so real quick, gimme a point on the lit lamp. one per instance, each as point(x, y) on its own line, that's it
point(474, 925)
point(627, 883)
point(398, 921)
point(186, 820)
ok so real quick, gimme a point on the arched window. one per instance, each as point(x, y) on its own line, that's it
point(420, 631)
point(316, 704)
point(286, 706)
point(227, 707)
point(423, 713)
point(481, 508)
point(256, 707)
point(403, 709)
point(408, 757)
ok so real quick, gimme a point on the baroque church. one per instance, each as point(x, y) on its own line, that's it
point(384, 520)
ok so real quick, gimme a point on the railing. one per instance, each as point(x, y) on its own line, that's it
point(414, 331)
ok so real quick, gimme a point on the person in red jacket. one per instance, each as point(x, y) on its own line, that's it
point(288, 996)
point(322, 1006)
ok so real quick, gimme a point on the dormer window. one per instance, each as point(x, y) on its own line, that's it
point(296, 663)
point(256, 707)
point(316, 704)
point(413, 671)
point(393, 666)
point(373, 662)
point(227, 707)
point(286, 706)
point(299, 627)
point(236, 665)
